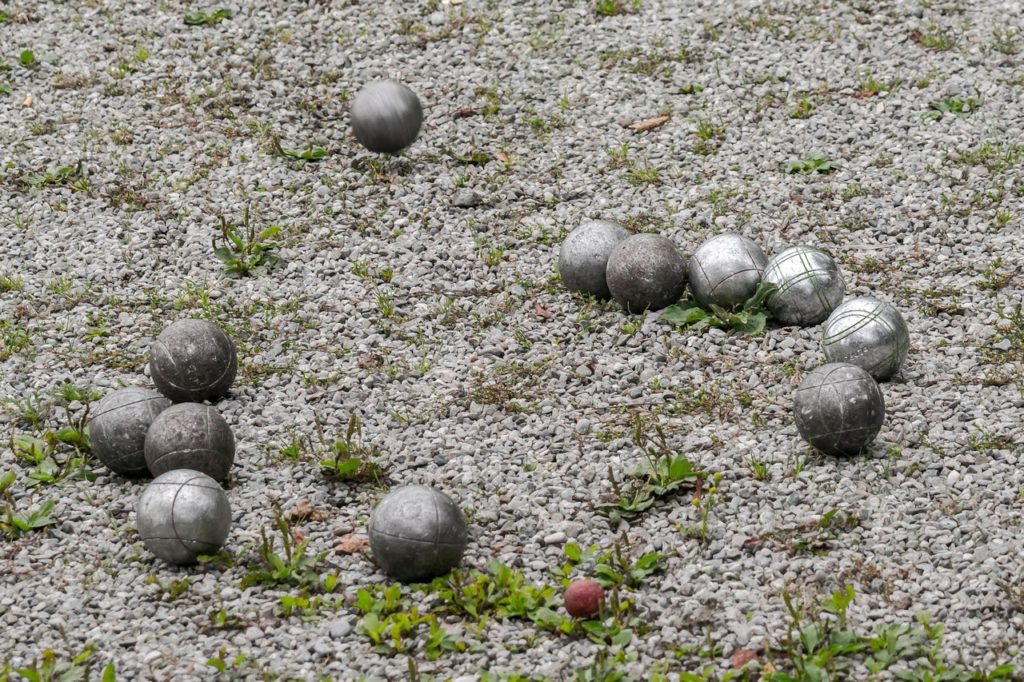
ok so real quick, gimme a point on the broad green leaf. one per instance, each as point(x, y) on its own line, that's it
point(622, 638)
point(572, 550)
point(676, 314)
point(109, 674)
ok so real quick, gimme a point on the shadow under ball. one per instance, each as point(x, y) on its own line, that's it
point(809, 286)
point(417, 533)
point(646, 272)
point(839, 409)
point(193, 361)
point(868, 333)
point(726, 270)
point(583, 258)
point(117, 429)
point(190, 436)
point(386, 116)
point(183, 514)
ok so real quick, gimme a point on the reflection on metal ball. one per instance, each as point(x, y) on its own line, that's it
point(868, 333)
point(190, 436)
point(193, 361)
point(809, 283)
point(417, 533)
point(839, 409)
point(183, 514)
point(386, 116)
point(646, 272)
point(117, 430)
point(726, 270)
point(583, 258)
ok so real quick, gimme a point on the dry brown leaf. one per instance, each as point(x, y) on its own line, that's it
point(304, 511)
point(741, 657)
point(649, 124)
point(463, 112)
point(541, 312)
point(27, 103)
point(352, 543)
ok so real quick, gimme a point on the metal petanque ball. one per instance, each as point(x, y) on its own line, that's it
point(192, 361)
point(839, 409)
point(809, 283)
point(726, 270)
point(646, 271)
point(583, 258)
point(868, 333)
point(190, 436)
point(117, 431)
point(386, 116)
point(417, 533)
point(183, 514)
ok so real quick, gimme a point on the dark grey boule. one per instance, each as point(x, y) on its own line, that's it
point(117, 429)
point(646, 272)
point(190, 436)
point(583, 258)
point(386, 116)
point(839, 409)
point(193, 361)
point(183, 514)
point(417, 533)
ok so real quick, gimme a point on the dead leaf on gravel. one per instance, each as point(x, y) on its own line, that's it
point(352, 543)
point(304, 511)
point(541, 312)
point(649, 124)
point(463, 112)
point(743, 656)
point(27, 103)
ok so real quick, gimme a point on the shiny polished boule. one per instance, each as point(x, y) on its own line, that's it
point(646, 272)
point(726, 270)
point(583, 258)
point(193, 361)
point(183, 514)
point(386, 116)
point(868, 333)
point(117, 429)
point(839, 409)
point(417, 533)
point(809, 286)
point(190, 436)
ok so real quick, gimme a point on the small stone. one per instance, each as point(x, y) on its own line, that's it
point(555, 538)
point(466, 198)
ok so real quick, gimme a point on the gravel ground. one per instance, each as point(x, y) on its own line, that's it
point(419, 292)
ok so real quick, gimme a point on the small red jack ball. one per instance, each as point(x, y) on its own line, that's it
point(583, 598)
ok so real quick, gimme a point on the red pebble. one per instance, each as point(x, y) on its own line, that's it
point(583, 598)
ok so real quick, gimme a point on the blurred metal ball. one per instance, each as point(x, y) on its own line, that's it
point(868, 333)
point(646, 272)
point(726, 270)
point(117, 429)
point(417, 533)
point(193, 361)
point(182, 514)
point(190, 436)
point(583, 258)
point(809, 283)
point(839, 409)
point(386, 116)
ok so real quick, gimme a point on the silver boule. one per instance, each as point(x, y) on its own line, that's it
point(190, 436)
point(386, 116)
point(726, 270)
point(417, 533)
point(869, 333)
point(839, 409)
point(117, 429)
point(809, 283)
point(583, 258)
point(646, 272)
point(183, 514)
point(193, 361)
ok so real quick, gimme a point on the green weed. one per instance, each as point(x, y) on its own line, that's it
point(750, 318)
point(812, 163)
point(207, 18)
point(243, 250)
